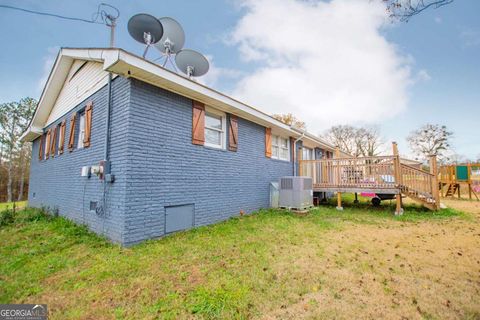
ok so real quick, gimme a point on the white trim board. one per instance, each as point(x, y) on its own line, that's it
point(126, 64)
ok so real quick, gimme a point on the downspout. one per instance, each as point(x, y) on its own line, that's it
point(112, 24)
point(106, 154)
point(295, 153)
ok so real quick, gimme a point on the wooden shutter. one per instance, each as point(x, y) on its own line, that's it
point(40, 147)
point(53, 142)
point(268, 142)
point(233, 133)
point(47, 144)
point(71, 138)
point(198, 123)
point(61, 141)
point(88, 124)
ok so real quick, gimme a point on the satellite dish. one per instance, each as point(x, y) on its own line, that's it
point(191, 62)
point(173, 37)
point(145, 29)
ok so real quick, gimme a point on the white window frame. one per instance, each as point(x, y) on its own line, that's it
point(310, 152)
point(223, 131)
point(81, 131)
point(276, 143)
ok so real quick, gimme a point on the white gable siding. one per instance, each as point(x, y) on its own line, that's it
point(79, 84)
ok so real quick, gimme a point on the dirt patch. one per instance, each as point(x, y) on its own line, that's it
point(470, 206)
point(396, 270)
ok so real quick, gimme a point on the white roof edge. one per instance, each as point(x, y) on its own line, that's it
point(185, 82)
point(111, 58)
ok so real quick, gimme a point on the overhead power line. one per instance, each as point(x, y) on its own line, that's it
point(99, 17)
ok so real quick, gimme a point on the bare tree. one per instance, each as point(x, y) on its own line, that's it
point(344, 138)
point(403, 10)
point(291, 120)
point(23, 164)
point(430, 139)
point(369, 141)
point(355, 141)
point(14, 119)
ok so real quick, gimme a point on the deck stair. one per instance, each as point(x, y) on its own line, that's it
point(419, 185)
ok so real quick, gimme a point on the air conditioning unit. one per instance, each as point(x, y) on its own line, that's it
point(296, 193)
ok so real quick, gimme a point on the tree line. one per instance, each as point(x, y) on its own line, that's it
point(14, 154)
point(367, 141)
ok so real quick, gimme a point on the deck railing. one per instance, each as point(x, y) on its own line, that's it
point(417, 181)
point(382, 173)
point(367, 172)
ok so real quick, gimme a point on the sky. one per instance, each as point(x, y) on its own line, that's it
point(327, 62)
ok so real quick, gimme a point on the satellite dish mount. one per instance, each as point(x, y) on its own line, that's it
point(145, 29)
point(172, 40)
point(167, 35)
point(192, 63)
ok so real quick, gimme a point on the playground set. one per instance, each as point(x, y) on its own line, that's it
point(452, 177)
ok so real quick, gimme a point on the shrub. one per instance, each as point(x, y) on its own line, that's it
point(34, 214)
point(7, 217)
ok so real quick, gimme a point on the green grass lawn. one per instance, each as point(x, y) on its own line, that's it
point(240, 268)
point(9, 205)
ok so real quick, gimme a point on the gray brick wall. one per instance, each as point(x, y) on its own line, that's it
point(155, 165)
point(56, 183)
point(166, 169)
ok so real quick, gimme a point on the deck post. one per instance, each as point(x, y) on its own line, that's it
point(398, 177)
point(434, 172)
point(469, 181)
point(339, 194)
point(339, 201)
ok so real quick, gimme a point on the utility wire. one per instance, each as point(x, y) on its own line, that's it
point(100, 13)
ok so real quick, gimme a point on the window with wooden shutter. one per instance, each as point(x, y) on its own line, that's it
point(40, 147)
point(71, 137)
point(268, 142)
point(233, 133)
point(61, 140)
point(53, 142)
point(88, 124)
point(47, 144)
point(198, 123)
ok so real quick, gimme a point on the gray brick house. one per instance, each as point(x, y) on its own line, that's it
point(135, 151)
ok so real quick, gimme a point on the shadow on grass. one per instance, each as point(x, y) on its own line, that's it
point(363, 208)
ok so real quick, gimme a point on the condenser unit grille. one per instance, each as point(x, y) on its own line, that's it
point(307, 184)
point(286, 183)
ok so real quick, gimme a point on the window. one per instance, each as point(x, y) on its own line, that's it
point(280, 148)
point(215, 129)
point(81, 131)
point(307, 154)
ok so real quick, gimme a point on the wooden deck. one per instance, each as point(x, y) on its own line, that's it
point(380, 175)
